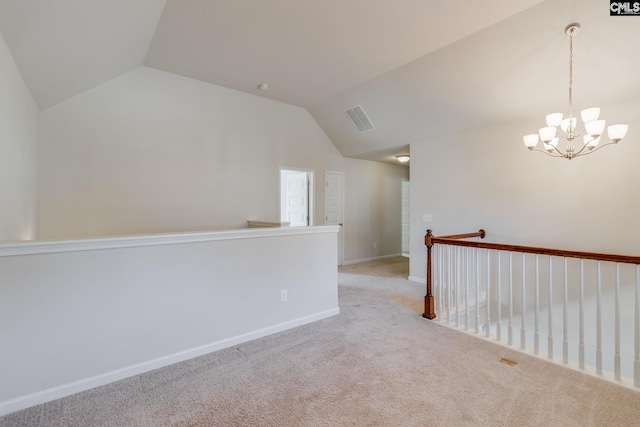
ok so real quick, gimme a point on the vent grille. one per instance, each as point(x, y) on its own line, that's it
point(360, 119)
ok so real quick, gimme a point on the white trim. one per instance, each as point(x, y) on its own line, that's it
point(48, 395)
point(41, 247)
point(418, 279)
point(344, 209)
point(375, 258)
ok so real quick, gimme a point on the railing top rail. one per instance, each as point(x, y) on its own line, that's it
point(480, 234)
point(454, 240)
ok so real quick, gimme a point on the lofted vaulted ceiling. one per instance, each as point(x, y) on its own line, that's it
point(419, 68)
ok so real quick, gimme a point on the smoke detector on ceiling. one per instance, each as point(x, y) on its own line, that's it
point(360, 119)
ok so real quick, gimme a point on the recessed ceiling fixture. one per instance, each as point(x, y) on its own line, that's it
point(557, 127)
point(404, 158)
point(264, 86)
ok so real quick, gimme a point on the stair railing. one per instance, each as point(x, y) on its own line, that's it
point(466, 286)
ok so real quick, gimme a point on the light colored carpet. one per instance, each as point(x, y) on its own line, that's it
point(376, 364)
point(387, 267)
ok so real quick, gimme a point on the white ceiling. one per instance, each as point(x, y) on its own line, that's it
point(311, 50)
point(64, 47)
point(419, 68)
point(513, 70)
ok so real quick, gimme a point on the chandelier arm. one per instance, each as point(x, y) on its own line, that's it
point(595, 149)
point(565, 135)
point(562, 133)
point(548, 153)
point(579, 153)
point(580, 133)
point(560, 153)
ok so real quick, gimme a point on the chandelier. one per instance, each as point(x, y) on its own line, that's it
point(566, 128)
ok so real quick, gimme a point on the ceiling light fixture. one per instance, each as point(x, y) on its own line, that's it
point(566, 128)
point(404, 158)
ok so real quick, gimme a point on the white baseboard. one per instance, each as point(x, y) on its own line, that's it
point(23, 402)
point(418, 279)
point(375, 258)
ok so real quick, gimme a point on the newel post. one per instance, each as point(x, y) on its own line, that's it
point(429, 303)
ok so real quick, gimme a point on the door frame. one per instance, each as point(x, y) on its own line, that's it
point(310, 195)
point(408, 234)
point(341, 232)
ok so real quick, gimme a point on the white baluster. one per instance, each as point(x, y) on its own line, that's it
point(466, 290)
point(457, 284)
point(438, 279)
point(616, 358)
point(565, 319)
point(550, 339)
point(488, 297)
point(636, 362)
point(444, 272)
point(477, 282)
point(449, 277)
point(434, 283)
point(441, 276)
point(536, 332)
point(510, 327)
point(599, 323)
point(499, 322)
point(523, 330)
point(581, 342)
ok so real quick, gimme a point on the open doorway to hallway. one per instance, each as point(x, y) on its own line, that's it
point(405, 218)
point(397, 266)
point(296, 196)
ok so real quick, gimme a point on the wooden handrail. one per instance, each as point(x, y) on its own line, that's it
point(429, 300)
point(455, 240)
point(430, 236)
point(595, 256)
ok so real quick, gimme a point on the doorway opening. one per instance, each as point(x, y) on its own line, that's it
point(296, 196)
point(405, 218)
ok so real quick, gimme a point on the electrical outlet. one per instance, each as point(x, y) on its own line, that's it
point(375, 245)
point(283, 295)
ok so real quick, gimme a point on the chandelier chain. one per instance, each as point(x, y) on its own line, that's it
point(571, 32)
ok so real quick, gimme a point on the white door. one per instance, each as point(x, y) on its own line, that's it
point(334, 206)
point(297, 199)
point(405, 218)
point(296, 196)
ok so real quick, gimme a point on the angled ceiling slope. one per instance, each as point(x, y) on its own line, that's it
point(513, 70)
point(310, 51)
point(419, 68)
point(65, 47)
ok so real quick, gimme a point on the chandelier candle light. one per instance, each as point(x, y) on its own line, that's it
point(557, 127)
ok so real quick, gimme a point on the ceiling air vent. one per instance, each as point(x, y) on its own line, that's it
point(360, 119)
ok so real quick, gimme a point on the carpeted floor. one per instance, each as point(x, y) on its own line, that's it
point(376, 364)
point(386, 267)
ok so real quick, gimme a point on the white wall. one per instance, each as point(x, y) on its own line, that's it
point(70, 321)
point(486, 178)
point(154, 152)
point(373, 211)
point(18, 153)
